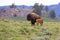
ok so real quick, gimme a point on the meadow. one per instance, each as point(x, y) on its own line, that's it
point(22, 30)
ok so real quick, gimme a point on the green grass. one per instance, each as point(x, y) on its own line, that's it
point(50, 19)
point(22, 30)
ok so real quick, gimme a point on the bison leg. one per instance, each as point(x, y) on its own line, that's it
point(37, 23)
point(32, 22)
point(41, 23)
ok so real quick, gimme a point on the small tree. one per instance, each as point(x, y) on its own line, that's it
point(46, 8)
point(41, 6)
point(52, 14)
point(37, 9)
point(13, 5)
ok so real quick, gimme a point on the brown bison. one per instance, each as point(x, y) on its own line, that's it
point(32, 17)
point(39, 21)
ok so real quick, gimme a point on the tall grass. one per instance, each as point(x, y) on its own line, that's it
point(22, 30)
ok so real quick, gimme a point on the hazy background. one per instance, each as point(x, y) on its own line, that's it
point(23, 7)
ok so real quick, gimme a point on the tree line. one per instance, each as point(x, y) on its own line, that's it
point(38, 8)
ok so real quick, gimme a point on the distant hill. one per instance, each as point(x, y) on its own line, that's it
point(18, 6)
point(15, 13)
point(4, 7)
point(55, 7)
point(24, 6)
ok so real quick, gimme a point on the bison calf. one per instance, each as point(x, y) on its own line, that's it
point(39, 21)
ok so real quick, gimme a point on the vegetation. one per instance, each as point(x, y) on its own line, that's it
point(22, 30)
point(52, 14)
point(37, 9)
point(41, 6)
point(46, 8)
point(15, 15)
point(13, 5)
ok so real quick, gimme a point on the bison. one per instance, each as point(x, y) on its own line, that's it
point(32, 17)
point(39, 21)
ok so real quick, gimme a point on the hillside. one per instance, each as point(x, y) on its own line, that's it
point(55, 7)
point(22, 30)
point(10, 12)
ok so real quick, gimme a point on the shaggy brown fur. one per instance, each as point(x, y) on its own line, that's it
point(39, 21)
point(32, 17)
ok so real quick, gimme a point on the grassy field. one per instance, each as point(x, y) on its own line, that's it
point(22, 30)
